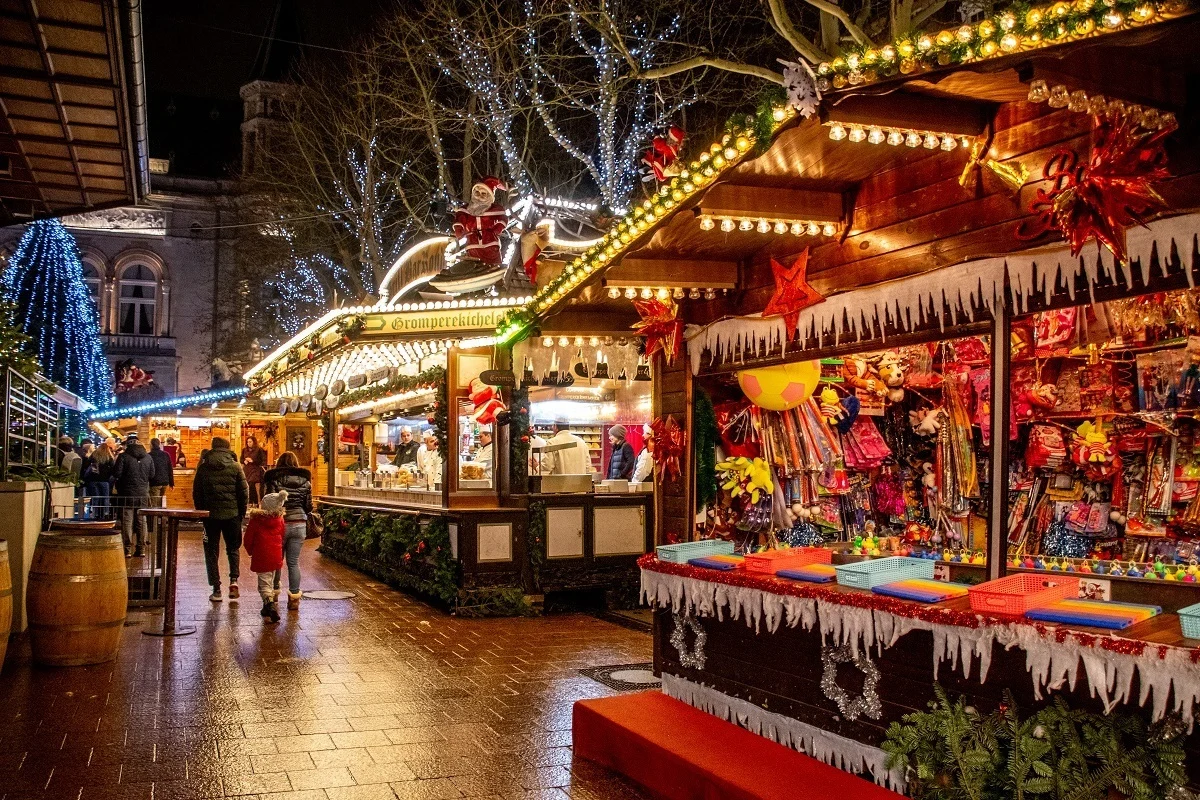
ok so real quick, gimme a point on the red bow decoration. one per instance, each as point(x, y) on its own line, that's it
point(1112, 191)
point(793, 293)
point(669, 441)
point(661, 326)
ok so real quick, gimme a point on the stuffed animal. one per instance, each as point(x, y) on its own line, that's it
point(1042, 395)
point(891, 372)
point(926, 421)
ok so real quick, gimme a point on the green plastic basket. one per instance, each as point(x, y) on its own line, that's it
point(878, 571)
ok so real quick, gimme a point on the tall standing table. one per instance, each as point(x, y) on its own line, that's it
point(170, 517)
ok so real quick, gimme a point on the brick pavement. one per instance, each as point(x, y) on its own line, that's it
point(376, 697)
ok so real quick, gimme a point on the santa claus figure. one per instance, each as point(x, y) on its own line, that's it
point(481, 222)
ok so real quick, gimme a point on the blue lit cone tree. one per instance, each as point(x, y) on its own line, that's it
point(44, 280)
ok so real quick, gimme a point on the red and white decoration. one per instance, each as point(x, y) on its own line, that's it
point(1053, 655)
point(481, 221)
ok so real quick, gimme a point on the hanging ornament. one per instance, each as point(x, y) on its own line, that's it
point(663, 154)
point(1113, 190)
point(669, 441)
point(692, 658)
point(487, 402)
point(744, 476)
point(1012, 176)
point(1092, 450)
point(782, 387)
point(801, 86)
point(533, 242)
point(661, 326)
point(793, 293)
point(868, 703)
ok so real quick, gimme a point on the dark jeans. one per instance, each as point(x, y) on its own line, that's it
point(256, 492)
point(231, 531)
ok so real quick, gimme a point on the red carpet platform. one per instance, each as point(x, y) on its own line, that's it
point(681, 753)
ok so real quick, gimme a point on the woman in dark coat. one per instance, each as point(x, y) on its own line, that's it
point(289, 476)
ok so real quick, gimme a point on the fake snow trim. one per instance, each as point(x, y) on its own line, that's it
point(1166, 673)
point(964, 289)
point(837, 751)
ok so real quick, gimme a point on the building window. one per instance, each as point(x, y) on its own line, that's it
point(139, 292)
point(91, 276)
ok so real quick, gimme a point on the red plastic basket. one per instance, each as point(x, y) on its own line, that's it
point(771, 561)
point(1016, 594)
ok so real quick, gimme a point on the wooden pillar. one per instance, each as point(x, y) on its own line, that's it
point(672, 395)
point(997, 541)
point(331, 446)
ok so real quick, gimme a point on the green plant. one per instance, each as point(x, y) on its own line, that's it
point(952, 752)
point(432, 377)
point(518, 438)
point(42, 473)
point(704, 448)
point(535, 541)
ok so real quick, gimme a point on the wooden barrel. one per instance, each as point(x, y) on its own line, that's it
point(76, 598)
point(6, 601)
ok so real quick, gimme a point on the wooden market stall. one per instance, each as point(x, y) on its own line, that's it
point(911, 362)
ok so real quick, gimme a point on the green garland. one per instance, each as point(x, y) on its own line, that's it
point(952, 752)
point(404, 551)
point(519, 432)
point(16, 347)
point(1016, 29)
point(432, 377)
point(441, 420)
point(704, 448)
point(535, 541)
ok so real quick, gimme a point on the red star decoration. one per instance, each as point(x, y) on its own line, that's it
point(793, 293)
point(661, 326)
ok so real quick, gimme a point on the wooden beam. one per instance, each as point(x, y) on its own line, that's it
point(911, 112)
point(671, 273)
point(67, 79)
point(733, 200)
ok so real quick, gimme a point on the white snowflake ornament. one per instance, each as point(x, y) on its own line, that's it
point(801, 86)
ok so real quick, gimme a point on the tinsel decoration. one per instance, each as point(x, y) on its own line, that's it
point(1062, 542)
point(694, 657)
point(661, 326)
point(802, 534)
point(669, 441)
point(868, 703)
point(1113, 190)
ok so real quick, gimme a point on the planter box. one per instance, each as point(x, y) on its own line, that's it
point(21, 507)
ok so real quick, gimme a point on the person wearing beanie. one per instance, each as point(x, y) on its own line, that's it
point(644, 469)
point(66, 457)
point(620, 466)
point(219, 487)
point(264, 543)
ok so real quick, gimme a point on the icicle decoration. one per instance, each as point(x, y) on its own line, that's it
point(837, 751)
point(1163, 672)
point(963, 289)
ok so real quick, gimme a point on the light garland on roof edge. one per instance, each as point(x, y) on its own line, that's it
point(699, 173)
point(1004, 33)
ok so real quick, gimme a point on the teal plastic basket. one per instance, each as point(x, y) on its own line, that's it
point(1189, 620)
point(685, 551)
point(878, 571)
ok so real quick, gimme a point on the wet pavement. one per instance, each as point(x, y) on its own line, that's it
point(379, 696)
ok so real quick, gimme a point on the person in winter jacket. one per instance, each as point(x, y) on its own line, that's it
point(164, 472)
point(254, 462)
point(219, 488)
point(66, 458)
point(620, 466)
point(264, 543)
point(97, 472)
point(289, 477)
point(131, 480)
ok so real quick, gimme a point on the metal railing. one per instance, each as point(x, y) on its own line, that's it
point(121, 343)
point(31, 421)
point(147, 557)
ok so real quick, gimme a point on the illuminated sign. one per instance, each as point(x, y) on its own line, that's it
point(433, 322)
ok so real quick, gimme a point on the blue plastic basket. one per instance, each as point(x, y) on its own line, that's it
point(878, 571)
point(685, 551)
point(1189, 620)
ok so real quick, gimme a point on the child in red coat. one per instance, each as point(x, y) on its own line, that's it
point(264, 542)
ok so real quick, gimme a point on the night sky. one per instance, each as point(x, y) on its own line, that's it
point(199, 53)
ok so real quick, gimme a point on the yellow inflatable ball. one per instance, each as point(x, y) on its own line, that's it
point(782, 387)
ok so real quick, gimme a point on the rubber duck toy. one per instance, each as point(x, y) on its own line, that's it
point(1150, 573)
point(1085, 568)
point(1028, 563)
point(947, 555)
point(1070, 567)
point(1116, 570)
point(1159, 567)
point(875, 551)
point(978, 558)
point(1040, 563)
point(1055, 566)
point(1133, 571)
point(1171, 575)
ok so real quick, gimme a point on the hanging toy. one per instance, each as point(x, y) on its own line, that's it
point(744, 476)
point(663, 154)
point(1093, 451)
point(1042, 396)
point(859, 375)
point(891, 372)
point(487, 402)
point(926, 421)
point(831, 407)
